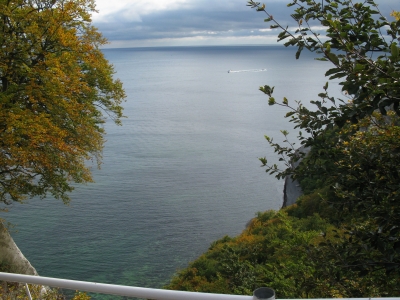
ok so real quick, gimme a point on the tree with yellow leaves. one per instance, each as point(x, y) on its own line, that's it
point(55, 88)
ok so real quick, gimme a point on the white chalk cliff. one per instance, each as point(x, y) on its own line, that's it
point(12, 256)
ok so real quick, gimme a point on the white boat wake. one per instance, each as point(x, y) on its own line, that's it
point(252, 70)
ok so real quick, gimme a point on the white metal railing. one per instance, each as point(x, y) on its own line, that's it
point(120, 290)
point(139, 292)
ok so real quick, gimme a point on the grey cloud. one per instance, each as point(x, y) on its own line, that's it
point(204, 17)
point(225, 18)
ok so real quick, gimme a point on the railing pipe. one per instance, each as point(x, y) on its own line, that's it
point(120, 290)
point(138, 292)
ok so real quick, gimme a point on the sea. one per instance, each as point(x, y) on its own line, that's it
point(182, 170)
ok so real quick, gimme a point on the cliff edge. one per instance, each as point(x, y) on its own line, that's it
point(12, 256)
point(292, 189)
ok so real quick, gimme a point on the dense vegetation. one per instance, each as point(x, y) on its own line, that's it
point(342, 237)
point(297, 251)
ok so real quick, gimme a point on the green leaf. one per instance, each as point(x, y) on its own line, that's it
point(359, 67)
point(332, 71)
point(394, 50)
point(299, 52)
point(261, 8)
point(333, 58)
point(271, 101)
point(263, 160)
point(280, 35)
point(338, 75)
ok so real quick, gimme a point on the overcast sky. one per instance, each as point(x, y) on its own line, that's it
point(147, 23)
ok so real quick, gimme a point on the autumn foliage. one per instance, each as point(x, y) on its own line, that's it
point(55, 86)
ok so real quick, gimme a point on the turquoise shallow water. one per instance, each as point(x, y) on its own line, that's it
point(181, 172)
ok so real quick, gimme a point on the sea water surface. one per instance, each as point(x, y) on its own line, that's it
point(180, 173)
